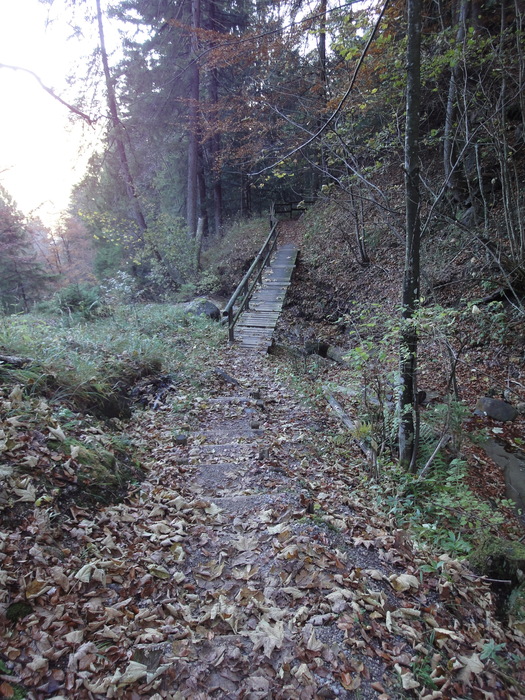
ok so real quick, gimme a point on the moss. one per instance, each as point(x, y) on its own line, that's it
point(17, 611)
point(499, 558)
point(516, 606)
point(101, 476)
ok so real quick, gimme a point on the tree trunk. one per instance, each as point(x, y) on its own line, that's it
point(408, 344)
point(317, 179)
point(215, 146)
point(193, 137)
point(450, 115)
point(118, 128)
point(202, 212)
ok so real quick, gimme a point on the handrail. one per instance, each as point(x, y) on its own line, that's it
point(293, 207)
point(245, 289)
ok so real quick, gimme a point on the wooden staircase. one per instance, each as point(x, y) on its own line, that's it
point(257, 323)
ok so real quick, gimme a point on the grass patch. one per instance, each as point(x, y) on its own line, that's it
point(91, 364)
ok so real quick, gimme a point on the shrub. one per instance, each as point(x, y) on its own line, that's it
point(80, 299)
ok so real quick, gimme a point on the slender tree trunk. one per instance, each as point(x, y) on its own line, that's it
point(202, 210)
point(215, 146)
point(450, 114)
point(322, 88)
point(408, 345)
point(118, 129)
point(193, 142)
point(215, 153)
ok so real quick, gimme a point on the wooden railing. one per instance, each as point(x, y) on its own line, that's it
point(291, 208)
point(251, 279)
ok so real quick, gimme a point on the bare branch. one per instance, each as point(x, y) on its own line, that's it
point(341, 104)
point(51, 92)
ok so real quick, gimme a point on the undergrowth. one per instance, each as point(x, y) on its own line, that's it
point(227, 260)
point(57, 446)
point(435, 504)
point(73, 359)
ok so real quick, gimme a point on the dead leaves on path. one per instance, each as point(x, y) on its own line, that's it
point(173, 595)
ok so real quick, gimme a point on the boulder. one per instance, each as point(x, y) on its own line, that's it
point(331, 352)
point(495, 408)
point(203, 307)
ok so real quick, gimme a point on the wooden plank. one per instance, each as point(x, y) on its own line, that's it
point(257, 324)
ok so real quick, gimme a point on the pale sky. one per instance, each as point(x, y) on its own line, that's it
point(39, 146)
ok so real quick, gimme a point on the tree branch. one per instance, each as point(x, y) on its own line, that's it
point(341, 104)
point(51, 92)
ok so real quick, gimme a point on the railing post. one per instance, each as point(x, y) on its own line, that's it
point(229, 317)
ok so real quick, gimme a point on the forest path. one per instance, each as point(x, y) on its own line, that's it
point(248, 565)
point(264, 584)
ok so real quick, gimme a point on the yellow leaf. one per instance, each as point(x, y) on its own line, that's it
point(403, 582)
point(36, 588)
point(159, 571)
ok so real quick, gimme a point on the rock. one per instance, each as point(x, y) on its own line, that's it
point(331, 352)
point(181, 440)
point(316, 347)
point(336, 354)
point(203, 307)
point(495, 408)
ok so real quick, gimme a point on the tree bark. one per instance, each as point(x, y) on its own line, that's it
point(408, 344)
point(448, 141)
point(317, 179)
point(193, 137)
point(215, 146)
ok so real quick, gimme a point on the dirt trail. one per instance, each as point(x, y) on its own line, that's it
point(245, 566)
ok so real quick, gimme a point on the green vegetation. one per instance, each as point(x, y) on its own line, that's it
point(77, 373)
point(435, 503)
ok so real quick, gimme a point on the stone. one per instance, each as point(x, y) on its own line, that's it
point(181, 440)
point(203, 307)
point(495, 408)
point(264, 453)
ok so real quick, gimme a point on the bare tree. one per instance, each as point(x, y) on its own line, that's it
point(193, 143)
point(408, 437)
point(118, 128)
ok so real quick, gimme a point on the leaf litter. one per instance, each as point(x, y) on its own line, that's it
point(244, 566)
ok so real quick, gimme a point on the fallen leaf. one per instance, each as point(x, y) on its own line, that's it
point(407, 678)
point(267, 636)
point(6, 690)
point(36, 588)
point(403, 582)
point(133, 673)
point(58, 433)
point(472, 665)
